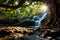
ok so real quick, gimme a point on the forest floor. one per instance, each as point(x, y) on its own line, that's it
point(11, 33)
point(19, 33)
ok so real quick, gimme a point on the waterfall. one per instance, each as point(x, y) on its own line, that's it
point(39, 19)
point(36, 20)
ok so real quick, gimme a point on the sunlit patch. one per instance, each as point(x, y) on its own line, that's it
point(44, 8)
point(27, 3)
point(16, 3)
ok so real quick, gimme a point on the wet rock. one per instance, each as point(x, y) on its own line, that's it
point(24, 32)
point(20, 38)
point(33, 37)
point(4, 33)
point(11, 39)
point(27, 23)
point(53, 35)
point(17, 31)
point(31, 33)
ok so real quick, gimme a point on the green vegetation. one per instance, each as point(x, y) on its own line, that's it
point(17, 9)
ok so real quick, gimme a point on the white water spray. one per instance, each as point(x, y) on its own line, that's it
point(38, 19)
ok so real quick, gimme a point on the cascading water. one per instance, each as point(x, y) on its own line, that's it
point(38, 19)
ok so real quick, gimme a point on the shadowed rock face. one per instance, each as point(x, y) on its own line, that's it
point(4, 33)
point(27, 23)
point(54, 35)
point(7, 22)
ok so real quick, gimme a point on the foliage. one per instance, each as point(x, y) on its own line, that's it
point(26, 11)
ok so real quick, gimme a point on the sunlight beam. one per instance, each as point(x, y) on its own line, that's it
point(44, 8)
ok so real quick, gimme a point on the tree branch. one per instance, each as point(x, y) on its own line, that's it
point(13, 7)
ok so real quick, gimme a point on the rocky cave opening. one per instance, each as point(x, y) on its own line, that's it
point(37, 24)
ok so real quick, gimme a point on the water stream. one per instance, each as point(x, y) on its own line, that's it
point(38, 19)
point(35, 21)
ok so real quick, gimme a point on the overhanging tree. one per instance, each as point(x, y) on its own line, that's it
point(20, 8)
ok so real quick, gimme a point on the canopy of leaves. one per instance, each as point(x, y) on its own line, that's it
point(27, 9)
